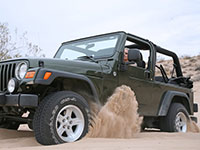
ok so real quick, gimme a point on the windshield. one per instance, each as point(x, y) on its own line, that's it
point(97, 47)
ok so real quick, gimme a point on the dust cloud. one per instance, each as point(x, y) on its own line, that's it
point(118, 118)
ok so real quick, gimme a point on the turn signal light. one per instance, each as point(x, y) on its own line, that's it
point(30, 74)
point(47, 75)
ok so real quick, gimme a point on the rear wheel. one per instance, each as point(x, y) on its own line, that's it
point(176, 119)
point(61, 117)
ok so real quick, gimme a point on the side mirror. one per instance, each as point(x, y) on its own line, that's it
point(134, 55)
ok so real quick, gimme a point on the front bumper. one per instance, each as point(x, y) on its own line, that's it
point(23, 100)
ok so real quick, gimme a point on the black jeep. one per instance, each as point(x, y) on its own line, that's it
point(53, 95)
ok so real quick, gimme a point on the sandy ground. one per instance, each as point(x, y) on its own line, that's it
point(148, 140)
point(154, 140)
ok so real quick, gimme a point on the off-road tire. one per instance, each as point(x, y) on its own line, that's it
point(44, 121)
point(167, 123)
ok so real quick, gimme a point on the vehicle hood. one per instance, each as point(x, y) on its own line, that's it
point(77, 66)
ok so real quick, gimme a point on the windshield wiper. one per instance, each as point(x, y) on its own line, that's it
point(86, 58)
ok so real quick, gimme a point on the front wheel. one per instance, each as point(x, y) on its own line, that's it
point(61, 117)
point(176, 119)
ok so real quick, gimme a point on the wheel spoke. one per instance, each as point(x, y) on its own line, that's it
point(60, 130)
point(60, 118)
point(76, 121)
point(178, 119)
point(70, 133)
point(177, 128)
point(181, 124)
point(68, 112)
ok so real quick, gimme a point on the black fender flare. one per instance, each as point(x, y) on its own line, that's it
point(167, 100)
point(55, 74)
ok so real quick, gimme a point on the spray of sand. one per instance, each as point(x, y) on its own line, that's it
point(118, 118)
point(192, 127)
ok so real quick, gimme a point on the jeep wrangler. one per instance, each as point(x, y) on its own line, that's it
point(53, 96)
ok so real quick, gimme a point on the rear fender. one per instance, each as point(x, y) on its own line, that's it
point(174, 96)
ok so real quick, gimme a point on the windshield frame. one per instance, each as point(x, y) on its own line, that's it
point(119, 34)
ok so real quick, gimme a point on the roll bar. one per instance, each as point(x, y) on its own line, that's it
point(173, 55)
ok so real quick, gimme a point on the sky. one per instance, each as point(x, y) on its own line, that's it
point(172, 24)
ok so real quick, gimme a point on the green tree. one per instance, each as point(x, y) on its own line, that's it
point(10, 48)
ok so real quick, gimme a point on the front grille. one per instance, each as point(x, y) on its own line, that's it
point(7, 71)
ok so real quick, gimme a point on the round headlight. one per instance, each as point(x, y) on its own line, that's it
point(12, 85)
point(21, 70)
